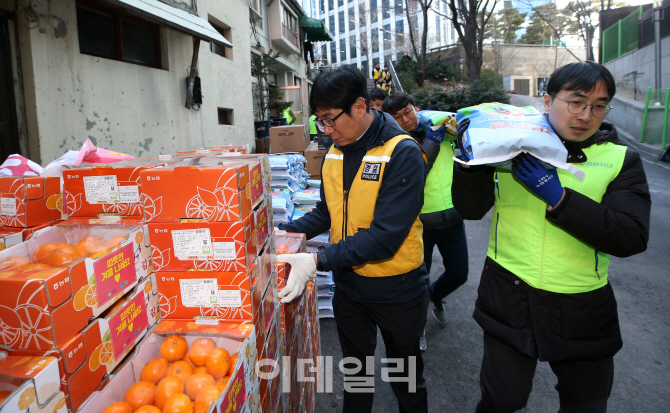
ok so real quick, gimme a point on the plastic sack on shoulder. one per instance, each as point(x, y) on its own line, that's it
point(438, 118)
point(499, 132)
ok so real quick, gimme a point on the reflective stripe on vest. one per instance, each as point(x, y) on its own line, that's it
point(437, 192)
point(353, 211)
point(539, 252)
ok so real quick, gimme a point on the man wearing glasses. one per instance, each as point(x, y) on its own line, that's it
point(544, 292)
point(371, 198)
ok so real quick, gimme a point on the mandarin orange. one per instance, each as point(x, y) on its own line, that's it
point(140, 394)
point(199, 351)
point(233, 360)
point(179, 403)
point(63, 256)
point(196, 383)
point(180, 369)
point(167, 388)
point(91, 244)
point(13, 263)
point(222, 383)
point(173, 348)
point(218, 362)
point(114, 241)
point(154, 370)
point(43, 251)
point(206, 397)
point(200, 369)
point(148, 409)
point(118, 407)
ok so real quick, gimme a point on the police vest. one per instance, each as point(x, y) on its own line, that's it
point(375, 73)
point(539, 252)
point(353, 211)
point(437, 192)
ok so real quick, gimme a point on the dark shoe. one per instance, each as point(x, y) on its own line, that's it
point(423, 345)
point(439, 314)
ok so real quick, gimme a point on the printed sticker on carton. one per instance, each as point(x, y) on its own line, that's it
point(202, 292)
point(114, 272)
point(129, 194)
point(230, 298)
point(192, 244)
point(127, 324)
point(8, 206)
point(101, 189)
point(224, 250)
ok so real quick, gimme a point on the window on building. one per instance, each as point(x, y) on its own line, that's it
point(341, 20)
point(373, 11)
point(340, 3)
point(362, 16)
point(109, 33)
point(398, 7)
point(352, 46)
point(375, 41)
point(343, 50)
point(290, 21)
point(437, 27)
point(333, 52)
point(225, 116)
point(323, 6)
point(352, 19)
point(331, 5)
point(386, 9)
point(375, 61)
point(331, 22)
point(399, 34)
point(387, 37)
point(227, 33)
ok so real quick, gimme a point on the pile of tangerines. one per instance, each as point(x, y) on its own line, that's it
point(59, 254)
point(181, 380)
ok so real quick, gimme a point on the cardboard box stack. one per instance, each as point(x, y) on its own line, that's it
point(30, 384)
point(288, 138)
point(314, 158)
point(27, 204)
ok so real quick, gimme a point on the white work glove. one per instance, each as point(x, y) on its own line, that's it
point(302, 270)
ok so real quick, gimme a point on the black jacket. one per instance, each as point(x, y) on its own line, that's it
point(398, 203)
point(554, 326)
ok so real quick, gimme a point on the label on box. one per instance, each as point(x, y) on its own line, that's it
point(230, 298)
point(129, 194)
point(8, 206)
point(126, 325)
point(202, 292)
point(192, 244)
point(114, 272)
point(224, 251)
point(101, 189)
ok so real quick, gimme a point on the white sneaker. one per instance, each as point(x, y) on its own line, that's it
point(423, 345)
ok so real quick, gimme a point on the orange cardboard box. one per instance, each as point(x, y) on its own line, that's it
point(92, 354)
point(46, 301)
point(10, 237)
point(199, 188)
point(29, 201)
point(234, 337)
point(216, 246)
point(33, 383)
point(225, 295)
point(114, 188)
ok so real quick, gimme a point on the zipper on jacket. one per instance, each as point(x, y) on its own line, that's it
point(497, 186)
point(345, 214)
point(597, 273)
point(544, 239)
point(495, 252)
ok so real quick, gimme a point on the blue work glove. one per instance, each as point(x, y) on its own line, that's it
point(432, 133)
point(460, 131)
point(543, 182)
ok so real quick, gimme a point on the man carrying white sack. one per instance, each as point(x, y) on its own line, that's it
point(544, 292)
point(371, 197)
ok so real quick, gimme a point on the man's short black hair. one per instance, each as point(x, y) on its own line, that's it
point(339, 89)
point(582, 77)
point(433, 101)
point(377, 93)
point(385, 66)
point(397, 102)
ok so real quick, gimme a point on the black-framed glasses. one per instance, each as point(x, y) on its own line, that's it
point(577, 106)
point(322, 123)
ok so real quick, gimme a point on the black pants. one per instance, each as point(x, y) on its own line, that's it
point(401, 326)
point(506, 379)
point(453, 247)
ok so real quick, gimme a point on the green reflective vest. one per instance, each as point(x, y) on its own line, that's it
point(539, 252)
point(437, 191)
point(312, 125)
point(287, 116)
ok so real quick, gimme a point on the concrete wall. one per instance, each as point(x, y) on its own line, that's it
point(626, 115)
point(642, 61)
point(129, 108)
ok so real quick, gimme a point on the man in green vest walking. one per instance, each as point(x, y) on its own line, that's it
point(289, 116)
point(442, 225)
point(313, 131)
point(544, 292)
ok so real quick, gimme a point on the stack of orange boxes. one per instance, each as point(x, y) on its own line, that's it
point(86, 292)
point(299, 330)
point(212, 247)
point(27, 204)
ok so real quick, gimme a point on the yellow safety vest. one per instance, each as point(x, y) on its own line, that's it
point(353, 211)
